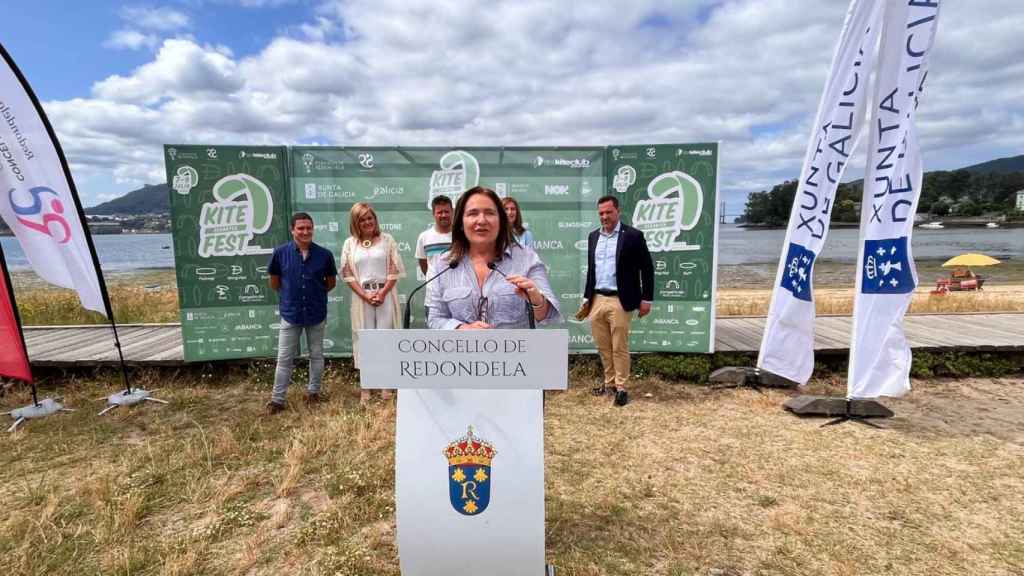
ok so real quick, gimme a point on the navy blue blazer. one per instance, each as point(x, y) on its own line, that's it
point(634, 269)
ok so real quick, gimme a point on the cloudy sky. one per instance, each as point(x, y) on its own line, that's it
point(119, 80)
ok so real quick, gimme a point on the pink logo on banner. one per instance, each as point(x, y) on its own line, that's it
point(40, 215)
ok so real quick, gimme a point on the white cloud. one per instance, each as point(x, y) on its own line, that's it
point(162, 19)
point(319, 30)
point(182, 69)
point(145, 27)
point(385, 72)
point(263, 3)
point(131, 39)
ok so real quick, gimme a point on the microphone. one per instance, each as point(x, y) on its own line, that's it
point(529, 307)
point(407, 316)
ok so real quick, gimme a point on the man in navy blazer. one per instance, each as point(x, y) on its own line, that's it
point(620, 279)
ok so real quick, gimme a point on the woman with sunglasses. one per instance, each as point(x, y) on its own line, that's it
point(490, 275)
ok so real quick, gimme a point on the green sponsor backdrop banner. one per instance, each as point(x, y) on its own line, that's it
point(557, 189)
point(669, 192)
point(229, 208)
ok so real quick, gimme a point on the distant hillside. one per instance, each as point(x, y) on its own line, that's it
point(999, 166)
point(987, 188)
point(150, 199)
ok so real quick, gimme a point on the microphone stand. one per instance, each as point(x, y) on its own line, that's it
point(407, 315)
point(532, 326)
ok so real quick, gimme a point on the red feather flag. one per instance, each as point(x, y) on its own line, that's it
point(13, 358)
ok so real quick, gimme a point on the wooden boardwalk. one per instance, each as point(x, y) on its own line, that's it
point(160, 344)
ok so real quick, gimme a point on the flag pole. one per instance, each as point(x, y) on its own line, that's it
point(17, 319)
point(78, 207)
point(36, 409)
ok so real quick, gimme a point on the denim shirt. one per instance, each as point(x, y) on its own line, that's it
point(303, 295)
point(456, 297)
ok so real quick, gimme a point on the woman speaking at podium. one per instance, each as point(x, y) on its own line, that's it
point(487, 280)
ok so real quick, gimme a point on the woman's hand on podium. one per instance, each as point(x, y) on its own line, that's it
point(478, 325)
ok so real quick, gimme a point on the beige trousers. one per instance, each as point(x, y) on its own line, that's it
point(609, 324)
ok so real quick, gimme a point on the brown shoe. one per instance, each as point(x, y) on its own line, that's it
point(274, 408)
point(315, 398)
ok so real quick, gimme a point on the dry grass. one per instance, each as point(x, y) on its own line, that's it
point(688, 481)
point(138, 297)
point(151, 297)
point(134, 304)
point(754, 302)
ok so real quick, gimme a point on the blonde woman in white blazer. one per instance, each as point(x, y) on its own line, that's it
point(371, 266)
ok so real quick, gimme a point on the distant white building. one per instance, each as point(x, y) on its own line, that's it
point(1020, 200)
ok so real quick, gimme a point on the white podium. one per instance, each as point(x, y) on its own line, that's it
point(469, 444)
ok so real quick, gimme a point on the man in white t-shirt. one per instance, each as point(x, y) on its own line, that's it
point(437, 238)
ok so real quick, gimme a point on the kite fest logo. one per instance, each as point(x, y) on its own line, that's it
point(674, 205)
point(469, 473)
point(243, 207)
point(40, 213)
point(625, 177)
point(459, 172)
point(185, 179)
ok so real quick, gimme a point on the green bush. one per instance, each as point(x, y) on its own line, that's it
point(692, 368)
point(963, 364)
point(697, 367)
point(687, 367)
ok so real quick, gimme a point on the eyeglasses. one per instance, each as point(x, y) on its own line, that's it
point(481, 309)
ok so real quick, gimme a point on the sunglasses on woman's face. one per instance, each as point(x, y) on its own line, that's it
point(481, 309)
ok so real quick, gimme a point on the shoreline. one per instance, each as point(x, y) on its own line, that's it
point(151, 295)
point(946, 224)
point(9, 234)
point(828, 274)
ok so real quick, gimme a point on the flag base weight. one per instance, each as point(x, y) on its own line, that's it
point(47, 407)
point(844, 409)
point(747, 377)
point(129, 398)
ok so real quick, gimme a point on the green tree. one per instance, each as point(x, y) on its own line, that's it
point(939, 208)
point(969, 208)
point(845, 211)
point(756, 209)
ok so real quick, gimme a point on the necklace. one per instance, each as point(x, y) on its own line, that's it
point(367, 243)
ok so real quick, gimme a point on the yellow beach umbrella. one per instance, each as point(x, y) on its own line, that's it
point(970, 259)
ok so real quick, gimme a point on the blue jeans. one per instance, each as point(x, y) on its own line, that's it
point(288, 349)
